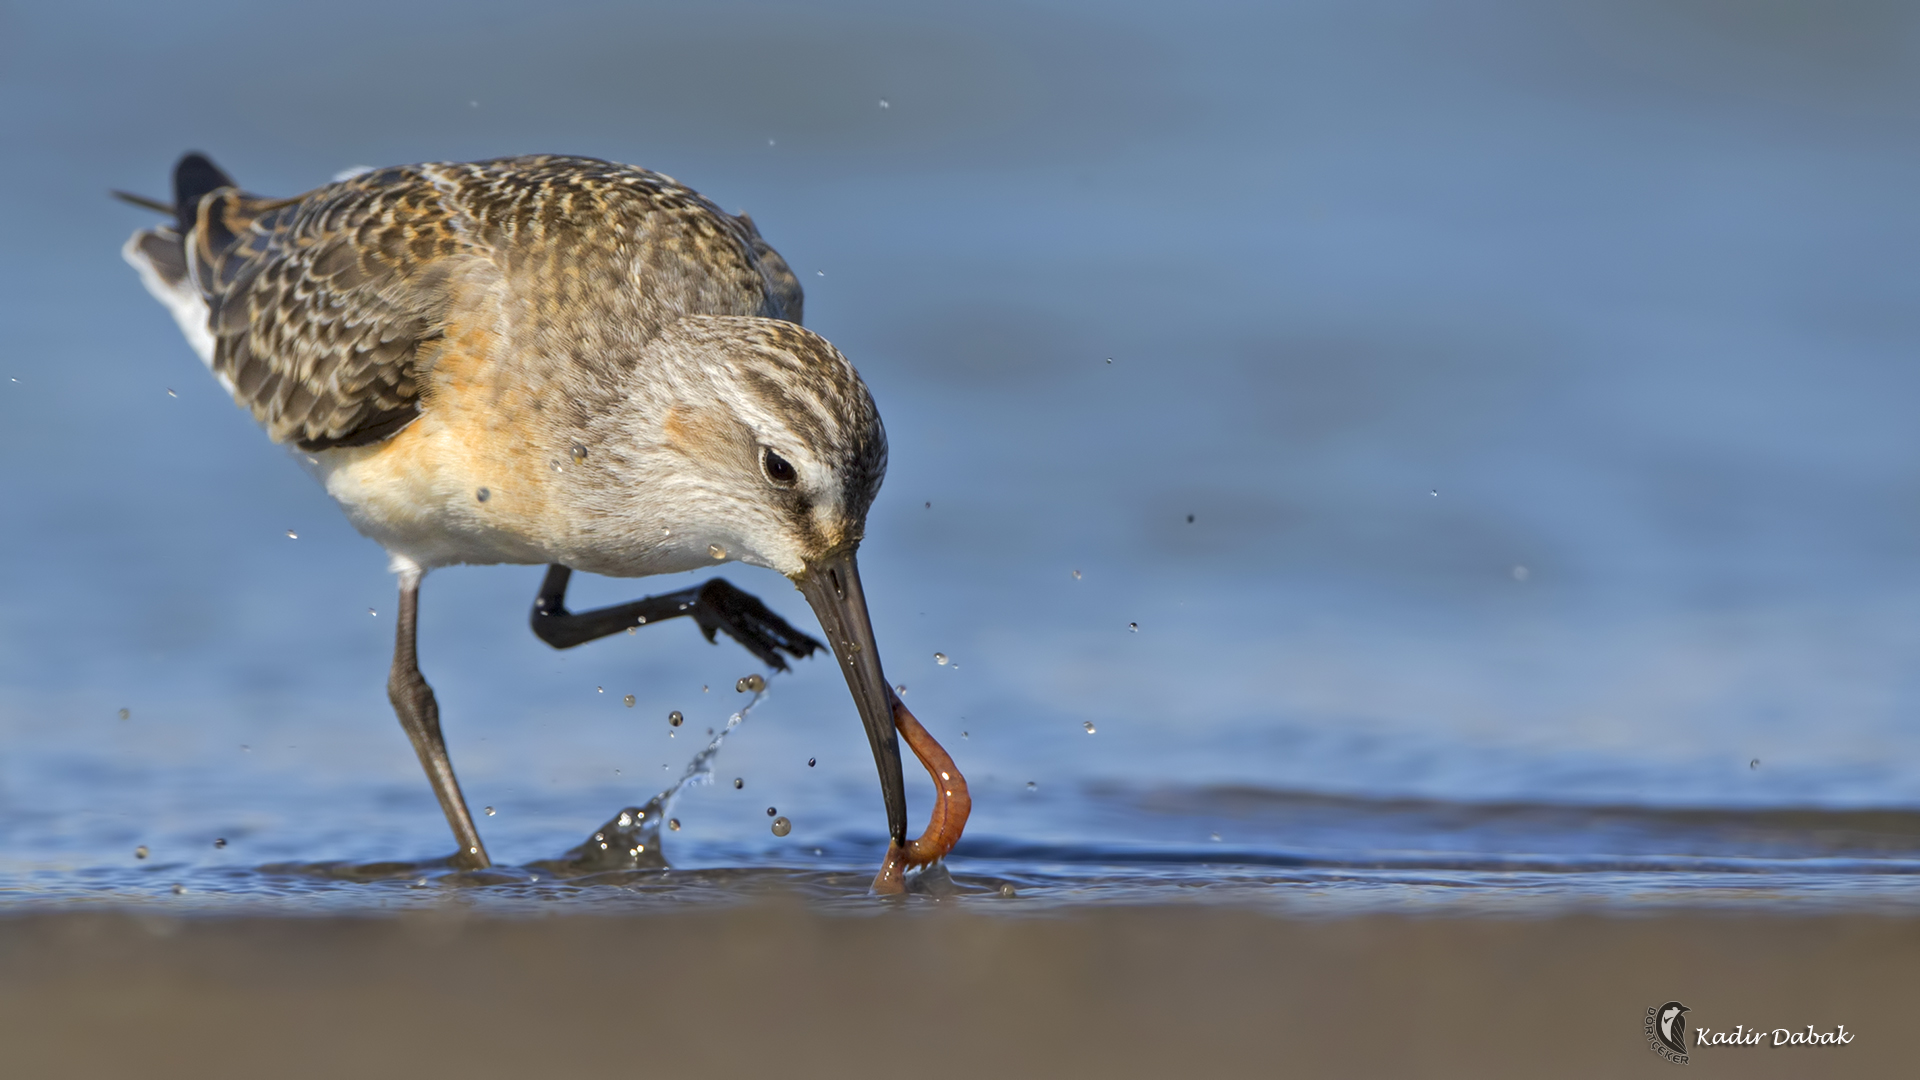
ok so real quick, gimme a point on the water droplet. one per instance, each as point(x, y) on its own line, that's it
point(291, 535)
point(599, 689)
point(771, 811)
point(627, 701)
point(373, 613)
point(578, 453)
point(929, 505)
point(1007, 891)
point(633, 630)
point(809, 763)
point(126, 714)
point(718, 551)
point(489, 811)
point(1754, 764)
point(738, 783)
point(483, 494)
point(884, 104)
point(900, 688)
point(555, 465)
point(674, 824)
point(1109, 359)
point(1134, 626)
point(754, 683)
point(626, 819)
point(1030, 786)
point(170, 392)
point(1189, 519)
point(940, 658)
point(140, 852)
point(1089, 726)
point(1521, 573)
point(781, 826)
point(179, 889)
point(220, 843)
point(1076, 575)
point(1435, 493)
point(963, 734)
point(245, 749)
point(674, 719)
point(1215, 837)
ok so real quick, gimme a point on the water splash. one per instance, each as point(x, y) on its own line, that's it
point(630, 840)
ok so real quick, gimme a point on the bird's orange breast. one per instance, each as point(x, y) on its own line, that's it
point(469, 480)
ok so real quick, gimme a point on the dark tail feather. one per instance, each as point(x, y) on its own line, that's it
point(142, 201)
point(193, 177)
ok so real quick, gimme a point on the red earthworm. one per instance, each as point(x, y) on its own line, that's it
point(951, 805)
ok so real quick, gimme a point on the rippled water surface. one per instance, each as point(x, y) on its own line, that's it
point(1453, 455)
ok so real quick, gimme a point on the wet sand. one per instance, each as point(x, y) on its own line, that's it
point(779, 989)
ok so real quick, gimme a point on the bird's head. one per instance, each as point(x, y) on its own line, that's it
point(757, 441)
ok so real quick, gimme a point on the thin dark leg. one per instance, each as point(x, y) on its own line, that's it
point(420, 715)
point(715, 605)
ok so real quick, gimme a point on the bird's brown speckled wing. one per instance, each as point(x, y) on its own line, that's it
point(324, 309)
point(319, 306)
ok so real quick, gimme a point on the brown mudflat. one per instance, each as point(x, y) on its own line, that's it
point(780, 990)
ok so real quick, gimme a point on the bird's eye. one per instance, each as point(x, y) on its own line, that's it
point(779, 469)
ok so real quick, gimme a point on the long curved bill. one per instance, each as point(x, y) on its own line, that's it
point(832, 586)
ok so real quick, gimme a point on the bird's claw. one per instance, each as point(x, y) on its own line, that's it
point(746, 620)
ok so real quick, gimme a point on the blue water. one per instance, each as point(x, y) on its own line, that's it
point(1539, 384)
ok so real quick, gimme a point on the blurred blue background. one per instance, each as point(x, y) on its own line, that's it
point(1479, 401)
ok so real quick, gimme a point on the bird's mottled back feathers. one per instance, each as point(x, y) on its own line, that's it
point(325, 309)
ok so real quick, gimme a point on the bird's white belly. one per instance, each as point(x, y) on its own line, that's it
point(413, 515)
point(426, 496)
point(435, 495)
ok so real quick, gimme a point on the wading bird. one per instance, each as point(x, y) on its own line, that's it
point(543, 360)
